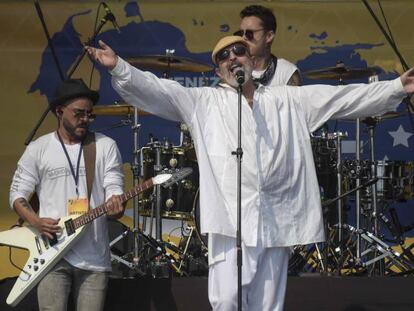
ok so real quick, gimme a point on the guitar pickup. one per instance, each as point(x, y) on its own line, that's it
point(47, 242)
point(54, 240)
point(70, 228)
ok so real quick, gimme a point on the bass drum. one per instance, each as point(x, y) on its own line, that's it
point(177, 200)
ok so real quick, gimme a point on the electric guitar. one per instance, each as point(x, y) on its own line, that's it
point(44, 253)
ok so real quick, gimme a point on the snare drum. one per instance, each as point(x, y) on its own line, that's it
point(395, 178)
point(177, 200)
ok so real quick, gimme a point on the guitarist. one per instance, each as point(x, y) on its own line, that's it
point(55, 166)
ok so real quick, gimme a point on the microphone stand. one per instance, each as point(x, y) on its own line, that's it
point(239, 154)
point(72, 69)
point(75, 65)
point(59, 68)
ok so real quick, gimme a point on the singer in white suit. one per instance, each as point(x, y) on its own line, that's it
point(281, 204)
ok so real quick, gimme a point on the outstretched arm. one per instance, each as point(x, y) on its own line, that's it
point(104, 56)
point(162, 97)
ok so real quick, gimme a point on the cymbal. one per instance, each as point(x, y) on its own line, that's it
point(168, 63)
point(117, 110)
point(388, 115)
point(340, 72)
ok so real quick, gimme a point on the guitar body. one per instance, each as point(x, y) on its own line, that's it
point(43, 254)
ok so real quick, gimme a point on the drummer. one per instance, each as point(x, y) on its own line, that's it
point(258, 27)
point(280, 197)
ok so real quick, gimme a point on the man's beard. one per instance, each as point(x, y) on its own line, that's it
point(71, 130)
point(230, 78)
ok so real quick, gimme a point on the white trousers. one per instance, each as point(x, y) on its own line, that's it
point(264, 277)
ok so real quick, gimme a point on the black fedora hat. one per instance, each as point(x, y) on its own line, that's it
point(70, 89)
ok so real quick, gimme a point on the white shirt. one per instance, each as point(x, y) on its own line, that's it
point(44, 167)
point(279, 182)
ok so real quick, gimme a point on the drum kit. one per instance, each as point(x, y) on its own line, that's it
point(370, 185)
point(367, 188)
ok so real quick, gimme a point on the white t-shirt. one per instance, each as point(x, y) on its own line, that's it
point(44, 167)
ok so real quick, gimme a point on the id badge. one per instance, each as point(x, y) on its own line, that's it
point(77, 206)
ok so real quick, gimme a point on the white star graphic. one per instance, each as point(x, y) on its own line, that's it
point(400, 137)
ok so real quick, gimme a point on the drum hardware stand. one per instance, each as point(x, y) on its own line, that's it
point(371, 124)
point(136, 232)
point(159, 261)
point(377, 245)
point(119, 258)
point(186, 245)
point(339, 249)
point(339, 136)
point(397, 230)
point(157, 193)
point(358, 183)
point(185, 254)
point(339, 181)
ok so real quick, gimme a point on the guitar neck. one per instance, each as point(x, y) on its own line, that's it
point(103, 208)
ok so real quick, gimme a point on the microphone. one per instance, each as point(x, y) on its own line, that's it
point(240, 76)
point(111, 17)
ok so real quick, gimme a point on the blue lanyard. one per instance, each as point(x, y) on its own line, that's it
point(75, 176)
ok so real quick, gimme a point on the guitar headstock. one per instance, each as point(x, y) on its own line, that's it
point(177, 175)
point(161, 178)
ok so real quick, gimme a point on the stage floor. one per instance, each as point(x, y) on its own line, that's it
point(303, 293)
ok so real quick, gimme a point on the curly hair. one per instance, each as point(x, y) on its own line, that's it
point(264, 14)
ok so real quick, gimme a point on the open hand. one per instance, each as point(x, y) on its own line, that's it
point(104, 56)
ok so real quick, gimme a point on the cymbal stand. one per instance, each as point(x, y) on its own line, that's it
point(371, 124)
point(137, 238)
point(357, 184)
point(158, 220)
point(339, 174)
point(339, 181)
point(159, 258)
point(136, 169)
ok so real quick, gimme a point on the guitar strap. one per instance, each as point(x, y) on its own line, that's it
point(89, 154)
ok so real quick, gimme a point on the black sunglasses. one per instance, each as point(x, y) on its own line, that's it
point(248, 33)
point(238, 50)
point(82, 114)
